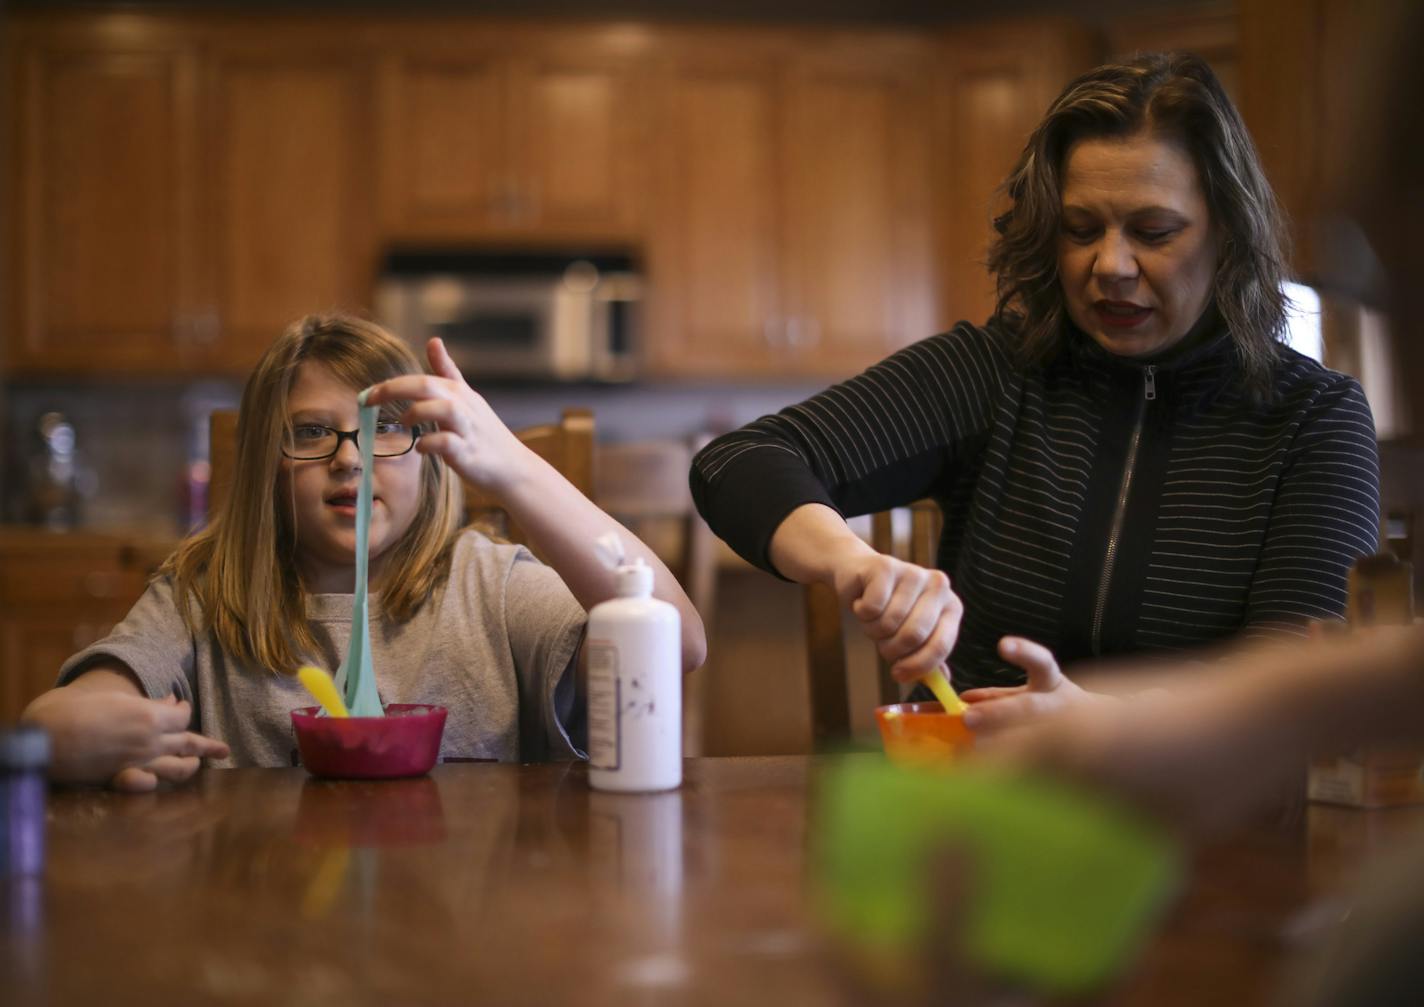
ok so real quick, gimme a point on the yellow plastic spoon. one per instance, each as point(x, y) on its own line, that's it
point(320, 685)
point(938, 681)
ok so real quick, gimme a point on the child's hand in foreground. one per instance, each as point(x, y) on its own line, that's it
point(1189, 757)
point(1048, 690)
point(471, 438)
point(128, 741)
point(1209, 744)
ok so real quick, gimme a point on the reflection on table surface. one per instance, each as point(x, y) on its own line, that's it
point(518, 884)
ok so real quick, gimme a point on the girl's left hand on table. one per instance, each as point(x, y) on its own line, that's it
point(1048, 690)
point(470, 437)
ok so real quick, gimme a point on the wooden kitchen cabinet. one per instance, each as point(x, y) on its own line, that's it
point(102, 246)
point(290, 193)
point(444, 157)
point(992, 87)
point(791, 230)
point(477, 142)
point(1309, 78)
point(715, 265)
point(857, 204)
point(804, 200)
point(1209, 30)
point(579, 135)
point(184, 189)
point(58, 594)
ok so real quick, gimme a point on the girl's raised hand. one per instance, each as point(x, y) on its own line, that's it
point(470, 437)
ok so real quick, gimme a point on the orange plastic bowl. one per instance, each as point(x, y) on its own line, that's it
point(922, 733)
point(405, 742)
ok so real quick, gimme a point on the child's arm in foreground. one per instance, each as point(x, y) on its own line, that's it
point(561, 522)
point(104, 730)
point(1222, 739)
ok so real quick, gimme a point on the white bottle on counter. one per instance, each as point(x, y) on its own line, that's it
point(634, 683)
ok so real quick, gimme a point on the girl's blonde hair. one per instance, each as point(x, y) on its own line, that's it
point(238, 578)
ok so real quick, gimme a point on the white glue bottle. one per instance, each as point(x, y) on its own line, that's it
point(634, 681)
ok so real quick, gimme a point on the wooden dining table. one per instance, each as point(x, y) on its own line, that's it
point(507, 884)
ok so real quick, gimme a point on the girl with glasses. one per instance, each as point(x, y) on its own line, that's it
point(203, 666)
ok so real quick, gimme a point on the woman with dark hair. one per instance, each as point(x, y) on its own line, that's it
point(1127, 455)
point(1204, 752)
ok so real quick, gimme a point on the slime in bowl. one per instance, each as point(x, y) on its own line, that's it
point(405, 742)
point(922, 733)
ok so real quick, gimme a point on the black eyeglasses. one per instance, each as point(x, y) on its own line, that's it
point(308, 442)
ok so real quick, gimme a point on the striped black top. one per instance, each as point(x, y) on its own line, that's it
point(1097, 504)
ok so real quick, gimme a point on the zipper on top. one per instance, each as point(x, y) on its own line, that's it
point(1149, 394)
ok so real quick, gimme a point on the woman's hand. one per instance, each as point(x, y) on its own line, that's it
point(128, 741)
point(471, 438)
point(909, 611)
point(1048, 690)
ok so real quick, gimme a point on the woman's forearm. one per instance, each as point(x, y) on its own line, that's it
point(812, 543)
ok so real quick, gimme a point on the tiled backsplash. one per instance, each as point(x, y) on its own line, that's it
point(136, 439)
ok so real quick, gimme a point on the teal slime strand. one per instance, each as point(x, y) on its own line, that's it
point(356, 671)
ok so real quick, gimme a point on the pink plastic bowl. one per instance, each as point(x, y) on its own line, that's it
point(405, 742)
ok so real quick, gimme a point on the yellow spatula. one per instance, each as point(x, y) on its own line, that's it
point(938, 681)
point(323, 689)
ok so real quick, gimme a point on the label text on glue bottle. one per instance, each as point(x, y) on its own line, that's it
point(604, 707)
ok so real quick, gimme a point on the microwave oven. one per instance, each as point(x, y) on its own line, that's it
point(527, 316)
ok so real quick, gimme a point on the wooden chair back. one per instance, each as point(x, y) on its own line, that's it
point(567, 445)
point(825, 632)
point(644, 485)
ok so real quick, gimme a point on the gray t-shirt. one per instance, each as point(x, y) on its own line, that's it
point(496, 647)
